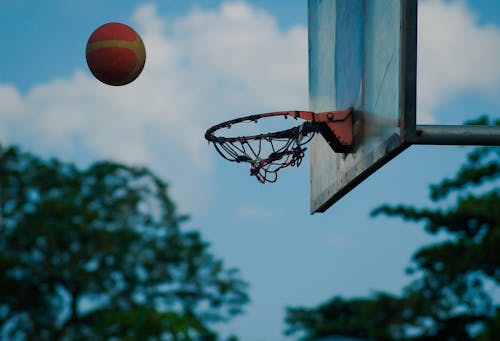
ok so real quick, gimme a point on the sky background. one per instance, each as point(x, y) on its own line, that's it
point(210, 61)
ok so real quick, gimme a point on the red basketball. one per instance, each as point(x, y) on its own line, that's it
point(115, 54)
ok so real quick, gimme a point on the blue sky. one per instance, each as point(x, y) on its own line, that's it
point(209, 61)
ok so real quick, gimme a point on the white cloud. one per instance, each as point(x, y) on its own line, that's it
point(200, 69)
point(455, 55)
point(209, 65)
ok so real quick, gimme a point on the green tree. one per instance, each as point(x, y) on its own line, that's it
point(449, 297)
point(99, 253)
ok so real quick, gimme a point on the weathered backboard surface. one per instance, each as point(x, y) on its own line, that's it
point(362, 54)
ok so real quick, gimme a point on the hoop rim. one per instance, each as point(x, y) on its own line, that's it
point(286, 133)
point(310, 116)
point(286, 147)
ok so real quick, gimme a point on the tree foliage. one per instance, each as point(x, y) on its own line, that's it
point(451, 296)
point(99, 253)
point(378, 317)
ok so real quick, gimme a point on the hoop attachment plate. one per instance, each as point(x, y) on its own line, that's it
point(338, 129)
point(267, 153)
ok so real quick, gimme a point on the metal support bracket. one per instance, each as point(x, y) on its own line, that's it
point(338, 129)
point(466, 135)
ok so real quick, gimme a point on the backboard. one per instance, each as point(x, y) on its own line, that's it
point(362, 54)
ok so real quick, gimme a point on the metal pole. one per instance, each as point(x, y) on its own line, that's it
point(456, 135)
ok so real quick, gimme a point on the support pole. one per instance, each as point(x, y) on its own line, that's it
point(466, 135)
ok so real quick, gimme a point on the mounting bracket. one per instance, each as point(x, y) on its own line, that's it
point(338, 129)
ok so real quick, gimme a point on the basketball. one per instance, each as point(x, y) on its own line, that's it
point(115, 54)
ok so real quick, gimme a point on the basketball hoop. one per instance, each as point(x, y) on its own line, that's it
point(267, 153)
